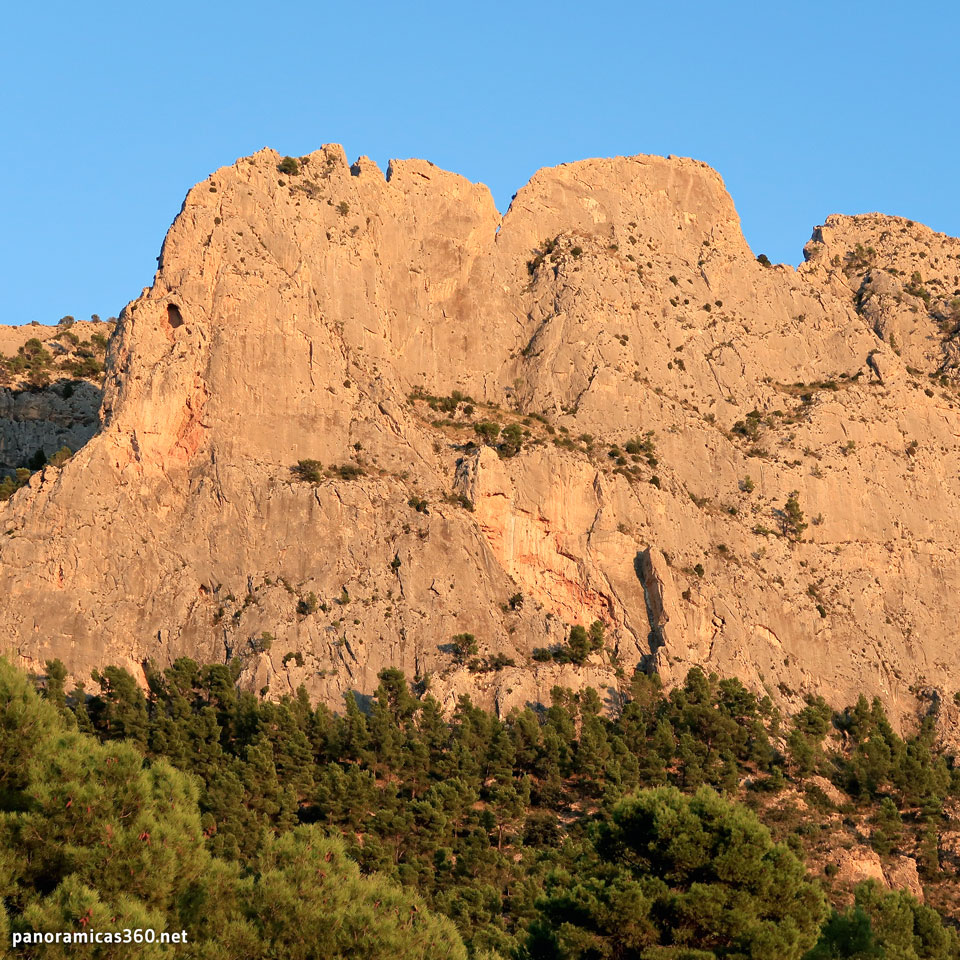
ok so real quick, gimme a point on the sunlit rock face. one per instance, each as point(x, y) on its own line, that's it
point(660, 396)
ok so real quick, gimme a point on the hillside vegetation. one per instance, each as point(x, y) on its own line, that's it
point(696, 825)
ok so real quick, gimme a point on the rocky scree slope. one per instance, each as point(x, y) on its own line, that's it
point(671, 413)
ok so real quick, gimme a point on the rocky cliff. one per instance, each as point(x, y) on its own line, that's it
point(50, 389)
point(599, 406)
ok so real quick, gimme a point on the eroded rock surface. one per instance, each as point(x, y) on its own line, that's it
point(670, 394)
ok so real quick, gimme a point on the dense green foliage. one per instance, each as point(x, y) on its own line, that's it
point(886, 925)
point(92, 837)
point(676, 873)
point(586, 830)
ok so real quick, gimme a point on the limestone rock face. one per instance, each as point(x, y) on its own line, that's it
point(862, 864)
point(660, 396)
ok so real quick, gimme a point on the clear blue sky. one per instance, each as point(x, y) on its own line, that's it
point(111, 111)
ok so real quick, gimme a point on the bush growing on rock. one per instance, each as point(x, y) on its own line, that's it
point(487, 430)
point(59, 458)
point(464, 646)
point(792, 520)
point(263, 643)
point(10, 485)
point(84, 368)
point(511, 440)
point(310, 471)
point(308, 604)
point(348, 471)
point(580, 644)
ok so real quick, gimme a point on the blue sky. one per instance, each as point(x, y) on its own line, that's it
point(109, 112)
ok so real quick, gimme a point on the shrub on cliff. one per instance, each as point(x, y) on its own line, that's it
point(511, 439)
point(10, 485)
point(85, 368)
point(310, 471)
point(580, 644)
point(487, 430)
point(59, 458)
point(793, 522)
point(464, 646)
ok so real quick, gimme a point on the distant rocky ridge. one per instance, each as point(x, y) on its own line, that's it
point(598, 407)
point(50, 389)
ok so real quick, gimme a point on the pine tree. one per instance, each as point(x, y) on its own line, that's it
point(526, 735)
point(119, 711)
point(887, 827)
point(579, 645)
point(508, 800)
point(886, 924)
point(696, 874)
point(464, 647)
point(95, 838)
point(352, 734)
point(793, 522)
point(54, 689)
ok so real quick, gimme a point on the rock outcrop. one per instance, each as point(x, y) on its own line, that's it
point(660, 396)
point(863, 864)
